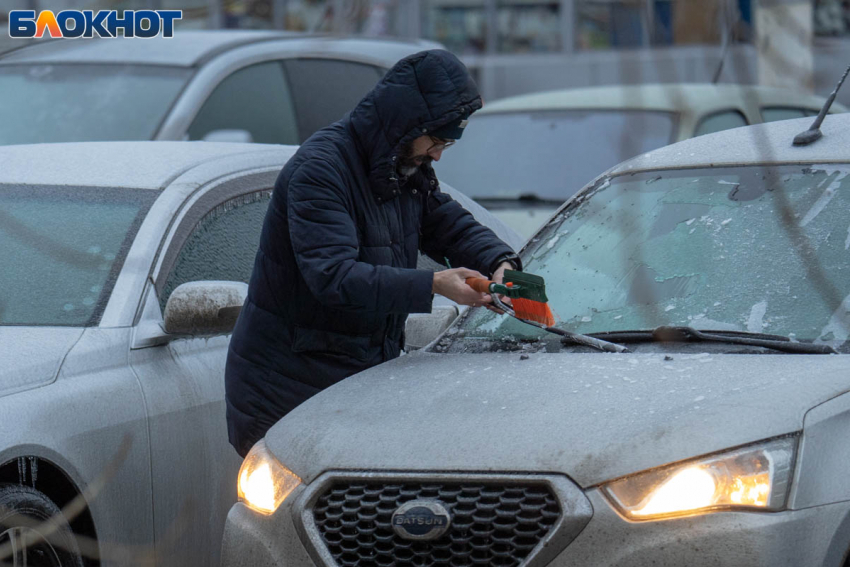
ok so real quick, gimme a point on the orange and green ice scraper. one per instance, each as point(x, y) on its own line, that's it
point(526, 291)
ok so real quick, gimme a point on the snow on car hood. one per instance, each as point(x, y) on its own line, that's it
point(31, 356)
point(593, 417)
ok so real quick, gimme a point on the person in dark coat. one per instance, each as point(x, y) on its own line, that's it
point(335, 274)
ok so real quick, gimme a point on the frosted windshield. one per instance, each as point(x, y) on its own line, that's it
point(750, 249)
point(62, 249)
point(81, 103)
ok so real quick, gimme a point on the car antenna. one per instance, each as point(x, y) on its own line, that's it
point(814, 134)
point(727, 43)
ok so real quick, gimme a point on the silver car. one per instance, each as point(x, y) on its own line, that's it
point(557, 136)
point(722, 438)
point(225, 86)
point(124, 268)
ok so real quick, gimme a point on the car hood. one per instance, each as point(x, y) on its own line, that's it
point(593, 417)
point(31, 356)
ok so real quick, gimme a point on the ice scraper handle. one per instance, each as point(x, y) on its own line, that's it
point(482, 285)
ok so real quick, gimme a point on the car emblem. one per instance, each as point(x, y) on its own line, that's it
point(421, 520)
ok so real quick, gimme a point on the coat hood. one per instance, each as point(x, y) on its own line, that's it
point(420, 94)
point(593, 417)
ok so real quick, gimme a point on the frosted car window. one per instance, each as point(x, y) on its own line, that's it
point(551, 154)
point(222, 246)
point(719, 122)
point(62, 249)
point(80, 103)
point(255, 99)
point(325, 90)
point(750, 249)
point(776, 114)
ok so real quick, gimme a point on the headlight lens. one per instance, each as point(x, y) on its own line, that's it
point(757, 477)
point(263, 482)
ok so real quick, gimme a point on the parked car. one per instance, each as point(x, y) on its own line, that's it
point(722, 438)
point(523, 156)
point(237, 86)
point(124, 268)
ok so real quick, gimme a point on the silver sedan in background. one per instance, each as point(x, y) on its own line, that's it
point(556, 136)
point(226, 86)
point(124, 269)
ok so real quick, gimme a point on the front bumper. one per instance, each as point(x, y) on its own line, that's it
point(810, 537)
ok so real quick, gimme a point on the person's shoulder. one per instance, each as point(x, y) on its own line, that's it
point(328, 145)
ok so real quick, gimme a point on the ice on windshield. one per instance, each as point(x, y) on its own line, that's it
point(551, 154)
point(62, 249)
point(78, 103)
point(751, 249)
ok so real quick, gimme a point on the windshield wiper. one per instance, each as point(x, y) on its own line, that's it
point(567, 337)
point(665, 334)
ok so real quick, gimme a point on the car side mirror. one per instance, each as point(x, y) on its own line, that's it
point(422, 328)
point(204, 308)
point(237, 136)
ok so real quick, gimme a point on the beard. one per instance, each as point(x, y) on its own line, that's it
point(409, 164)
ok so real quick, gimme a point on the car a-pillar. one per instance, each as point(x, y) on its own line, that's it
point(33, 488)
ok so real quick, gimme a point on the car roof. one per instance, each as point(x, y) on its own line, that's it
point(140, 165)
point(677, 97)
point(760, 144)
point(192, 48)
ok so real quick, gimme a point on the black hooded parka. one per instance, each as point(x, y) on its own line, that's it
point(335, 274)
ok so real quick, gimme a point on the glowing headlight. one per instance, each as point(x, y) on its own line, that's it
point(263, 482)
point(757, 477)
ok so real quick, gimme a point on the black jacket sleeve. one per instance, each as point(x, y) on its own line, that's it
point(325, 245)
point(450, 231)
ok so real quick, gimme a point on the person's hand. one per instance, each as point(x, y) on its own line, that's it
point(452, 284)
point(499, 274)
point(498, 277)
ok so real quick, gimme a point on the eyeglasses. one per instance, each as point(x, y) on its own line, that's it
point(439, 145)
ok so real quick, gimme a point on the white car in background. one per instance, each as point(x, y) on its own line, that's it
point(124, 269)
point(523, 156)
point(227, 86)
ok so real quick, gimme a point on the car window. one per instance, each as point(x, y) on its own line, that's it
point(325, 90)
point(81, 102)
point(256, 99)
point(222, 246)
point(721, 121)
point(550, 154)
point(759, 249)
point(776, 114)
point(62, 250)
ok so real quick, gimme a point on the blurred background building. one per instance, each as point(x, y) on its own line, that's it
point(519, 46)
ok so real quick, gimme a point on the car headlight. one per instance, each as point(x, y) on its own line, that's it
point(263, 482)
point(753, 478)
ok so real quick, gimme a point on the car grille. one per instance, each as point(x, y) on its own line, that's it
point(492, 524)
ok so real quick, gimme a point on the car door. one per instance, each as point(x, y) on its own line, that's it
point(719, 121)
point(193, 466)
point(255, 100)
point(325, 90)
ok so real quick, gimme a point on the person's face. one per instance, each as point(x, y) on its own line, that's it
point(423, 149)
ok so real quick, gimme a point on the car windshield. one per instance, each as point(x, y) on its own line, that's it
point(81, 103)
point(556, 152)
point(754, 249)
point(62, 249)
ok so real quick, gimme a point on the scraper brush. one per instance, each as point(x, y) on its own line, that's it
point(526, 291)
